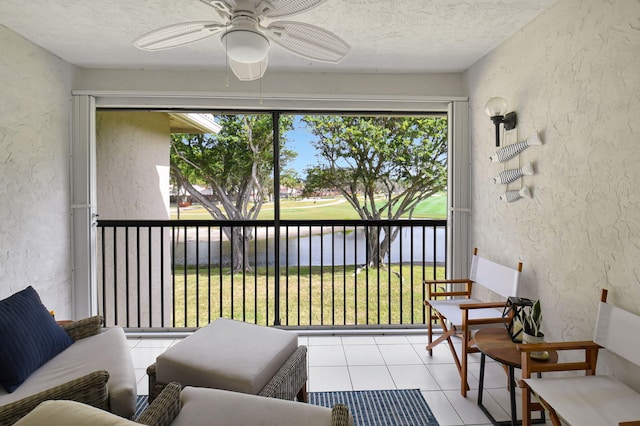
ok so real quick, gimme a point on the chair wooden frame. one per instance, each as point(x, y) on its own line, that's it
point(465, 313)
point(616, 331)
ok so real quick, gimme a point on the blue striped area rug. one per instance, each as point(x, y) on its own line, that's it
point(141, 404)
point(404, 407)
point(380, 407)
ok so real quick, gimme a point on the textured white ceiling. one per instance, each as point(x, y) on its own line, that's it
point(395, 36)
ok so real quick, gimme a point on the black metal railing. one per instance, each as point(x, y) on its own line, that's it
point(168, 274)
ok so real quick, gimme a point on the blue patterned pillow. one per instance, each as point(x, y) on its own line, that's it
point(30, 337)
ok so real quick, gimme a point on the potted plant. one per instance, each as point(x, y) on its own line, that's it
point(532, 322)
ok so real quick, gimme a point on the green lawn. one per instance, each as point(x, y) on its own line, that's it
point(308, 296)
point(434, 207)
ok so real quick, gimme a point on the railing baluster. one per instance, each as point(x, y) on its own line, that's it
point(104, 276)
point(162, 276)
point(209, 273)
point(344, 275)
point(321, 274)
point(266, 243)
point(150, 282)
point(355, 275)
point(197, 243)
point(390, 302)
point(366, 272)
point(298, 274)
point(310, 277)
point(255, 276)
point(333, 274)
point(126, 275)
point(186, 266)
point(244, 276)
point(173, 275)
point(115, 275)
point(286, 272)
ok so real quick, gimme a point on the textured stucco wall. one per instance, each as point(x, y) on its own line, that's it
point(572, 75)
point(132, 156)
point(132, 162)
point(35, 93)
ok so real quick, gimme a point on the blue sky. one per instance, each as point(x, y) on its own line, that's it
point(299, 141)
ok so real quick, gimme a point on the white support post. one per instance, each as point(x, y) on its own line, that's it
point(83, 207)
point(459, 191)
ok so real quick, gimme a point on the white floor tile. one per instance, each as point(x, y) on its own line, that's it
point(442, 409)
point(468, 409)
point(371, 378)
point(325, 379)
point(326, 356)
point(413, 377)
point(156, 343)
point(144, 357)
point(417, 339)
point(358, 340)
point(143, 386)
point(399, 354)
point(391, 340)
point(324, 340)
point(363, 355)
point(494, 374)
point(141, 374)
point(448, 377)
point(440, 354)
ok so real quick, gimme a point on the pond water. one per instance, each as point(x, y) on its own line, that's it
point(337, 248)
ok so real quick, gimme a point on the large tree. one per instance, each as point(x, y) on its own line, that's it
point(383, 166)
point(237, 164)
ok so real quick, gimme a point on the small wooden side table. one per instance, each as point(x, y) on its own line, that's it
point(495, 343)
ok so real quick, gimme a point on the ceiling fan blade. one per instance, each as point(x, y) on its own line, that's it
point(248, 72)
point(177, 35)
point(283, 8)
point(223, 7)
point(308, 41)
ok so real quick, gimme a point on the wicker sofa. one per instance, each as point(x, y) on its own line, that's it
point(195, 407)
point(96, 369)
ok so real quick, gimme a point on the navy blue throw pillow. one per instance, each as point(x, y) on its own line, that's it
point(29, 337)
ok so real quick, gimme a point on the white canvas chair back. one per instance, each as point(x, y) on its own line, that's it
point(617, 330)
point(498, 278)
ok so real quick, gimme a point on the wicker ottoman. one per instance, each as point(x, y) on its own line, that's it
point(236, 356)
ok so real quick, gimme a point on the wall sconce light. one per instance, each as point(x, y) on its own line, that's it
point(496, 108)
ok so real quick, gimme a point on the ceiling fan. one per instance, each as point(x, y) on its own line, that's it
point(246, 40)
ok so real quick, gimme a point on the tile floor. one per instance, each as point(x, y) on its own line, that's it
point(360, 362)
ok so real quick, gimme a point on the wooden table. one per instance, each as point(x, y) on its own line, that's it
point(496, 343)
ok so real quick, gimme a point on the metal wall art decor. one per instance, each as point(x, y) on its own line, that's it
point(510, 151)
point(515, 195)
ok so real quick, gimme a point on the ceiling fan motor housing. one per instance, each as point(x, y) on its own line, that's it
point(244, 42)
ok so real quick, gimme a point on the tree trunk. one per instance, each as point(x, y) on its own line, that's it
point(239, 238)
point(390, 235)
point(374, 257)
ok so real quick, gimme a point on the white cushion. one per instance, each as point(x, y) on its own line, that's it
point(105, 351)
point(227, 354)
point(450, 309)
point(589, 400)
point(217, 407)
point(65, 413)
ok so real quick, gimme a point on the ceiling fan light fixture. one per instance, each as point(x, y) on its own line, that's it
point(246, 46)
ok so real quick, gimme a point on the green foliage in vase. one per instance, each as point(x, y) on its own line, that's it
point(532, 319)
